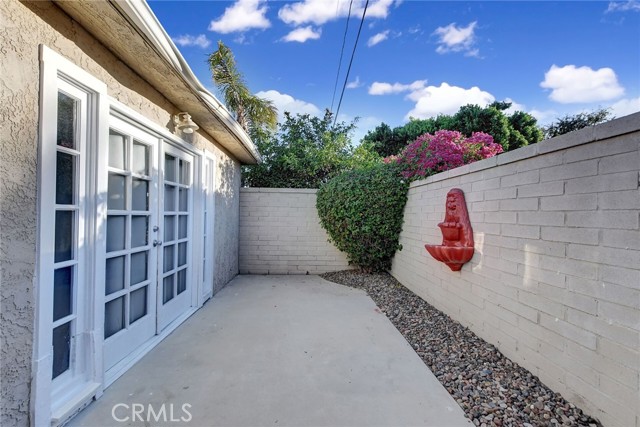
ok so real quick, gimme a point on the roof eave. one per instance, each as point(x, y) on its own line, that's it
point(185, 91)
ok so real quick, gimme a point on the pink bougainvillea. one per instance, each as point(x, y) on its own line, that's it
point(444, 150)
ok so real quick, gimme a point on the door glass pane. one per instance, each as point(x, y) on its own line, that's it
point(61, 349)
point(182, 281)
point(168, 258)
point(182, 254)
point(169, 198)
point(114, 275)
point(167, 288)
point(117, 150)
point(64, 235)
point(113, 316)
point(169, 228)
point(138, 267)
point(117, 192)
point(182, 227)
point(65, 174)
point(184, 199)
point(184, 172)
point(67, 115)
point(139, 231)
point(62, 292)
point(140, 161)
point(138, 304)
point(140, 196)
point(115, 232)
point(169, 168)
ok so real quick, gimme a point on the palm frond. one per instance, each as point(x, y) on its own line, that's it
point(249, 109)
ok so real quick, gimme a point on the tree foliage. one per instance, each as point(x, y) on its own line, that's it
point(305, 152)
point(510, 131)
point(490, 120)
point(250, 110)
point(569, 123)
point(362, 211)
point(524, 130)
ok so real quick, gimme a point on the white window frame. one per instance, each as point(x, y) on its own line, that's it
point(48, 404)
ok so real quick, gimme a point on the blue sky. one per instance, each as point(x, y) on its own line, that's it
point(420, 58)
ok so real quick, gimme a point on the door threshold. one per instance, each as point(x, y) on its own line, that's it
point(80, 397)
point(125, 364)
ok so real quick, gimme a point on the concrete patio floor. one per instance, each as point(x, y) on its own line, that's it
point(280, 351)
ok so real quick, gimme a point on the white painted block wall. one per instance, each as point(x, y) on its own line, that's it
point(280, 233)
point(555, 279)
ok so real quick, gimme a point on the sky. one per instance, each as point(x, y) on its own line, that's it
point(419, 58)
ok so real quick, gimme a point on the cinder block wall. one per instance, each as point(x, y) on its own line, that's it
point(280, 233)
point(555, 279)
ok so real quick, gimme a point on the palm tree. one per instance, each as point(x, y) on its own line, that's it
point(250, 110)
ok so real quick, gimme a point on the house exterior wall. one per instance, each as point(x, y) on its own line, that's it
point(555, 279)
point(227, 226)
point(23, 26)
point(280, 233)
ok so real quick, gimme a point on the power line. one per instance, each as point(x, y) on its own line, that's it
point(353, 53)
point(344, 39)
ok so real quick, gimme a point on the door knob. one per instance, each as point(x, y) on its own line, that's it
point(157, 243)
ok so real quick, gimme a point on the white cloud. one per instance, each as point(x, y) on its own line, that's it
point(571, 84)
point(445, 99)
point(381, 88)
point(514, 106)
point(243, 15)
point(544, 117)
point(287, 103)
point(624, 107)
point(624, 6)
point(188, 40)
point(378, 38)
point(433, 100)
point(303, 34)
point(457, 39)
point(319, 12)
point(354, 84)
point(378, 9)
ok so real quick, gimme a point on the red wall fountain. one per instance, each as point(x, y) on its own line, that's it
point(457, 234)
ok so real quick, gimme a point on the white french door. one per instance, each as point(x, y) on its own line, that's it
point(175, 269)
point(148, 268)
point(131, 258)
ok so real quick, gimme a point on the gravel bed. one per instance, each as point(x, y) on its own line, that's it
point(491, 389)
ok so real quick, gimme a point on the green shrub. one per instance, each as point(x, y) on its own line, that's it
point(362, 210)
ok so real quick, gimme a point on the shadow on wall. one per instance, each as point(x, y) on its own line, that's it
point(228, 188)
point(227, 221)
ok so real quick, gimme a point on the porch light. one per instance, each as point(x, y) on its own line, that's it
point(184, 123)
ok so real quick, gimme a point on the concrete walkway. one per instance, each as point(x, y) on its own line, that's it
point(280, 351)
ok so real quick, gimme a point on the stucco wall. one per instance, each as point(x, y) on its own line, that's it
point(23, 26)
point(226, 229)
point(555, 279)
point(280, 233)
